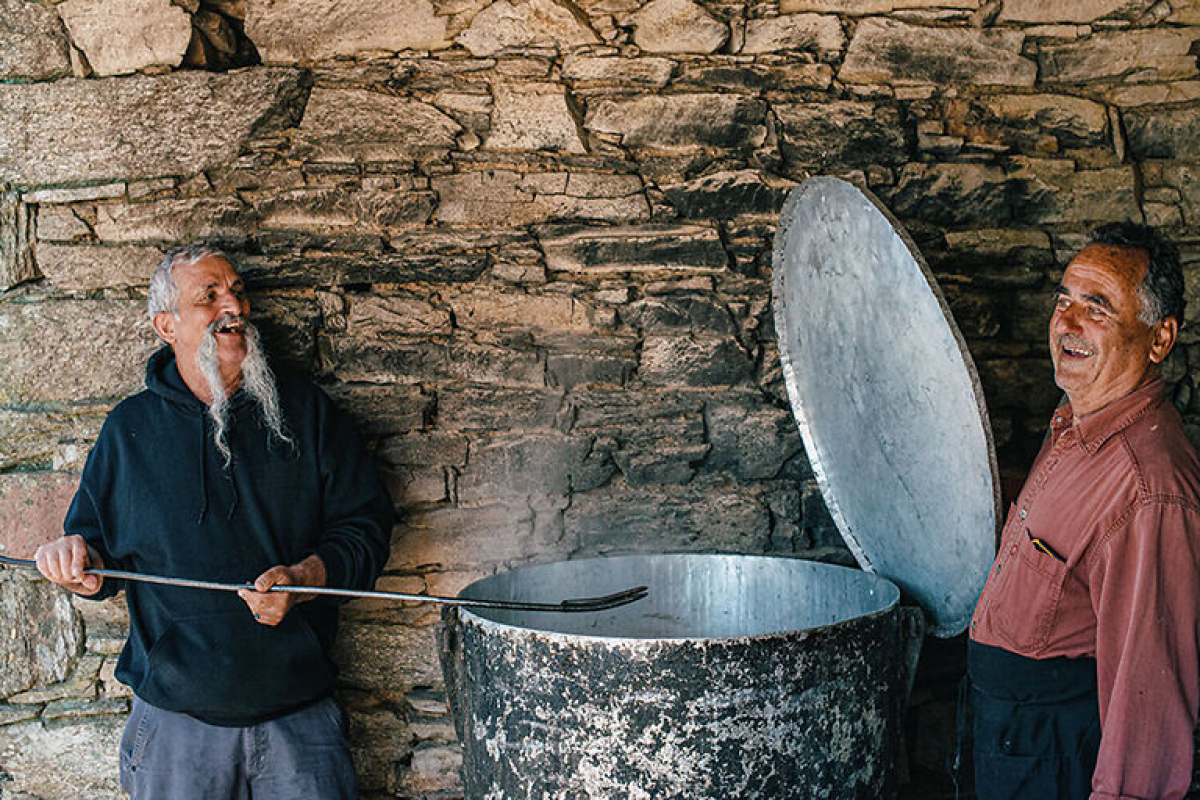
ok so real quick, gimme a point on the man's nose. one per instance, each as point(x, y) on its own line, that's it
point(230, 303)
point(1065, 319)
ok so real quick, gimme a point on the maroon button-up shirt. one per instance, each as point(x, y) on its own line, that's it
point(1100, 557)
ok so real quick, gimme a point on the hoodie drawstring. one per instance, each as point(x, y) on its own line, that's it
point(203, 473)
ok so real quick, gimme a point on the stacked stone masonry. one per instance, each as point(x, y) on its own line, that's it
point(526, 243)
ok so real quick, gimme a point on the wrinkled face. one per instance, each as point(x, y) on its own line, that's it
point(210, 295)
point(1101, 350)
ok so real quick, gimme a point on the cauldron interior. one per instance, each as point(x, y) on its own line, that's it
point(691, 596)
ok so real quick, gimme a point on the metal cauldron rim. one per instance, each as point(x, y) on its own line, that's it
point(505, 628)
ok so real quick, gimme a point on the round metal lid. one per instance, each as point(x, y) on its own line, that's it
point(887, 398)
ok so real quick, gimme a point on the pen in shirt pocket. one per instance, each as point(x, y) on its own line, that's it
point(1045, 548)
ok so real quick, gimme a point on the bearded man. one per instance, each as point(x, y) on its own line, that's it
point(1083, 651)
point(215, 473)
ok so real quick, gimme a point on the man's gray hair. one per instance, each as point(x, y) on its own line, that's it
point(164, 292)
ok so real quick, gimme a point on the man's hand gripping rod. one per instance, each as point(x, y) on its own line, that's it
point(574, 605)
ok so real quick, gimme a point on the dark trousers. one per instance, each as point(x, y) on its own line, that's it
point(1036, 725)
point(169, 756)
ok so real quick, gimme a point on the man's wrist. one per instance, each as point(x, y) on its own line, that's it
point(311, 571)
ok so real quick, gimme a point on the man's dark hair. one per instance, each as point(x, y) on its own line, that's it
point(1161, 291)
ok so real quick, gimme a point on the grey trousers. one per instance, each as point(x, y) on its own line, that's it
point(170, 756)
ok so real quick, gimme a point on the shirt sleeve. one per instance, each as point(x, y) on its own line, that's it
point(83, 517)
point(358, 513)
point(1144, 586)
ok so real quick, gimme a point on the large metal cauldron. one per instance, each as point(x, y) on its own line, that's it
point(738, 677)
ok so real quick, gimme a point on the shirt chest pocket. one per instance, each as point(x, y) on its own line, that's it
point(1028, 605)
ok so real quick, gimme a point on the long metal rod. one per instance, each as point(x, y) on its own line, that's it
point(574, 605)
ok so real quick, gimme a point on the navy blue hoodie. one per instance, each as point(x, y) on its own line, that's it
point(156, 497)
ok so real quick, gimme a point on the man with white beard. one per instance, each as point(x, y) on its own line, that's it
point(217, 473)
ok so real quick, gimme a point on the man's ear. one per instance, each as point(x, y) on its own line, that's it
point(1165, 333)
point(164, 326)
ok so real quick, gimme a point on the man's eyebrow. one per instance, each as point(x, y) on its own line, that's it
point(1094, 299)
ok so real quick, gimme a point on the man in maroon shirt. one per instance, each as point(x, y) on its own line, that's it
point(1083, 653)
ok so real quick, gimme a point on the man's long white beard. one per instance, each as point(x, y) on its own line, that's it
point(257, 381)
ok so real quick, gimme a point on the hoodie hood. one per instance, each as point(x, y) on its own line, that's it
point(163, 378)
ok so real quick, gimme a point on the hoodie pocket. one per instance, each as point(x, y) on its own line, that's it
point(227, 668)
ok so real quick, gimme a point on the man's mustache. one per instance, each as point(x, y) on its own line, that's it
point(227, 323)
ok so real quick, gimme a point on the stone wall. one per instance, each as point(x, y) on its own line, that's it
point(527, 244)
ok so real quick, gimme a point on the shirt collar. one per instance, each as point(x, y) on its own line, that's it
point(1097, 428)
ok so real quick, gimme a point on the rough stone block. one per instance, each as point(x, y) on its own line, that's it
point(818, 33)
point(497, 408)
point(665, 464)
point(173, 220)
point(40, 636)
point(677, 26)
point(680, 315)
point(698, 517)
point(681, 123)
point(472, 538)
point(501, 197)
point(892, 52)
point(1034, 11)
point(61, 224)
point(59, 761)
point(522, 465)
point(304, 30)
point(726, 195)
point(384, 410)
point(386, 657)
point(694, 361)
point(643, 419)
point(1186, 178)
point(287, 325)
point(76, 194)
point(371, 316)
point(1025, 119)
point(73, 351)
point(858, 8)
point(1155, 93)
point(742, 76)
point(122, 36)
point(435, 768)
point(1051, 191)
point(525, 24)
point(649, 250)
point(44, 439)
point(32, 507)
point(16, 237)
point(953, 194)
point(378, 743)
point(618, 71)
point(1163, 132)
point(424, 448)
point(361, 125)
point(415, 361)
point(996, 257)
point(533, 116)
point(841, 135)
point(84, 268)
point(329, 210)
point(1137, 56)
point(33, 45)
point(408, 263)
point(750, 441)
point(546, 312)
point(139, 127)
